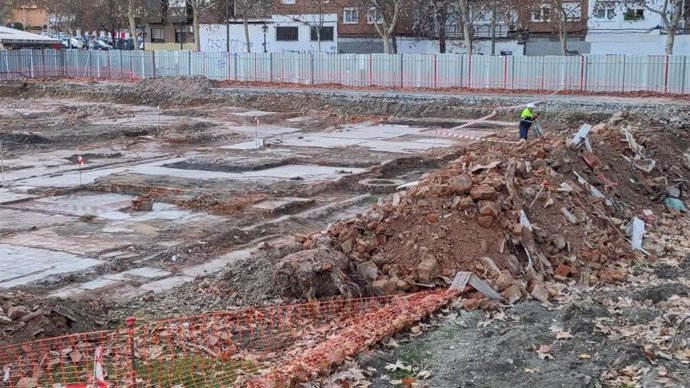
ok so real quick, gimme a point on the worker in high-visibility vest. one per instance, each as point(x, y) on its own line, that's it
point(526, 119)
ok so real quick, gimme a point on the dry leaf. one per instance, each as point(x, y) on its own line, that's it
point(584, 356)
point(563, 335)
point(398, 366)
point(425, 374)
point(544, 352)
point(408, 381)
point(528, 370)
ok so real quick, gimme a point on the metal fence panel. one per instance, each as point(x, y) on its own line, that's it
point(591, 73)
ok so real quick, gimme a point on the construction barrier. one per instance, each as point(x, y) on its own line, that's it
point(265, 347)
point(662, 74)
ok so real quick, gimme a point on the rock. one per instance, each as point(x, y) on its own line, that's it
point(315, 273)
point(431, 218)
point(347, 246)
point(471, 304)
point(461, 184)
point(484, 246)
point(403, 285)
point(540, 293)
point(427, 270)
point(27, 382)
point(466, 203)
point(611, 275)
point(383, 287)
point(369, 271)
point(504, 280)
point(456, 202)
point(563, 270)
point(4, 319)
point(614, 220)
point(617, 118)
point(512, 293)
point(17, 312)
point(559, 242)
point(483, 192)
point(323, 242)
point(490, 208)
point(485, 221)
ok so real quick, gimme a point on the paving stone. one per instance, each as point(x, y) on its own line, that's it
point(97, 283)
point(21, 265)
point(166, 284)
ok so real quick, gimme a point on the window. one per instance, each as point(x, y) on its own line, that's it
point(605, 10)
point(374, 16)
point(326, 34)
point(287, 34)
point(181, 34)
point(157, 35)
point(288, 1)
point(633, 14)
point(350, 16)
point(541, 14)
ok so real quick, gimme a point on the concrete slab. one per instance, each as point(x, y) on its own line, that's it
point(254, 113)
point(11, 219)
point(144, 272)
point(88, 243)
point(282, 204)
point(21, 265)
point(166, 284)
point(97, 283)
point(7, 197)
point(216, 264)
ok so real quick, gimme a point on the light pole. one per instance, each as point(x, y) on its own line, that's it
point(264, 28)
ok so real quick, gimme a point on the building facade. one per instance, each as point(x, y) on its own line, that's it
point(616, 28)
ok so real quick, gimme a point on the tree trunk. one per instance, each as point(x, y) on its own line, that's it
point(670, 39)
point(246, 31)
point(564, 42)
point(394, 43)
point(467, 35)
point(442, 20)
point(132, 24)
point(386, 44)
point(197, 38)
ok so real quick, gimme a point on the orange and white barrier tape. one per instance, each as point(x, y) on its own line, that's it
point(448, 132)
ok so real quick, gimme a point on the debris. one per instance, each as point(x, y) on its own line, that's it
point(580, 136)
point(635, 230)
point(484, 288)
point(675, 205)
point(569, 216)
point(544, 352)
point(544, 185)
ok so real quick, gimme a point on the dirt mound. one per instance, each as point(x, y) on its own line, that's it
point(169, 89)
point(517, 216)
point(25, 318)
point(79, 114)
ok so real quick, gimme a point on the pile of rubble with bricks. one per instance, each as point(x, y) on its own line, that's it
point(527, 219)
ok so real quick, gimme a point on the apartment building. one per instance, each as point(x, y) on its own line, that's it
point(615, 28)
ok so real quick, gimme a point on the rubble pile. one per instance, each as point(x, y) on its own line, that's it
point(24, 317)
point(519, 217)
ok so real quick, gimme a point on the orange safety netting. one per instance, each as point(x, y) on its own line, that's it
point(266, 347)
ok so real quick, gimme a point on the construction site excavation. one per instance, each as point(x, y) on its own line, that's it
point(183, 232)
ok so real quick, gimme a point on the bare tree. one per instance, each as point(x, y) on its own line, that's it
point(251, 8)
point(672, 13)
point(558, 15)
point(313, 16)
point(199, 8)
point(384, 15)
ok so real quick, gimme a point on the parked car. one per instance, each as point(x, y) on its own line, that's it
point(76, 42)
point(103, 45)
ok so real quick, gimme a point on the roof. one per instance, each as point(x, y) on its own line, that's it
point(11, 36)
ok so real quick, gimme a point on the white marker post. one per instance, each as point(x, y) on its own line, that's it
point(256, 134)
point(80, 160)
point(2, 163)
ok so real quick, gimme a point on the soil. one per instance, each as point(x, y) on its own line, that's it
point(605, 314)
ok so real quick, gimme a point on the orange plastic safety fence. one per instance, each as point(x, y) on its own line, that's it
point(249, 347)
